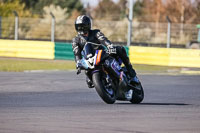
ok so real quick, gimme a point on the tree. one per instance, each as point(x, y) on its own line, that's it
point(137, 9)
point(151, 10)
point(107, 9)
point(122, 4)
point(179, 11)
point(197, 3)
point(29, 4)
point(71, 5)
point(7, 8)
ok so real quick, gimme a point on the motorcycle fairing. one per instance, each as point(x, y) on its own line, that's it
point(116, 67)
point(84, 63)
point(89, 61)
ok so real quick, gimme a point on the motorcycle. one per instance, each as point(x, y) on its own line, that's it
point(111, 81)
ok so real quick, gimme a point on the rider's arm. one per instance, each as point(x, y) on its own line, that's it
point(76, 49)
point(102, 39)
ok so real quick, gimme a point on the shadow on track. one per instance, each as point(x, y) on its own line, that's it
point(177, 104)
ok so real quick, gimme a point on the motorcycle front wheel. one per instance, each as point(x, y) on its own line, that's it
point(106, 93)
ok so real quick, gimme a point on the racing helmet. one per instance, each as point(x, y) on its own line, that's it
point(82, 24)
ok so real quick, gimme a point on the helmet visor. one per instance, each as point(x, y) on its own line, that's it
point(82, 27)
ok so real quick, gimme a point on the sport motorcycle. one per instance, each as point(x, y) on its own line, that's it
point(110, 79)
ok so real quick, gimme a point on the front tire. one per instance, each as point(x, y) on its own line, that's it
point(103, 92)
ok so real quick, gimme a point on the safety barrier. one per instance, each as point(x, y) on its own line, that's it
point(184, 57)
point(36, 49)
point(164, 57)
point(27, 49)
point(63, 51)
point(137, 54)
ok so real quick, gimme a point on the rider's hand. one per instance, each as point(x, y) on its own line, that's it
point(78, 71)
point(111, 49)
point(78, 67)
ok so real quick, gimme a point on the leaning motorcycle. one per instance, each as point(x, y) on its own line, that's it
point(111, 81)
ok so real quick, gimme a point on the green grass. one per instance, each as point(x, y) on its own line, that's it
point(154, 69)
point(20, 65)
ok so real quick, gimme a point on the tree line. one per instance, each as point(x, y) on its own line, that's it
point(179, 11)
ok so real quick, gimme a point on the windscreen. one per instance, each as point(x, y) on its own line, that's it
point(88, 51)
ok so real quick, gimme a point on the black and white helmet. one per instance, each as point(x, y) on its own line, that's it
point(82, 24)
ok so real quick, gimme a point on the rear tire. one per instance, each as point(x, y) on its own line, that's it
point(101, 90)
point(138, 95)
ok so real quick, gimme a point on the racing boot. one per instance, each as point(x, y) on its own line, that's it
point(89, 83)
point(132, 73)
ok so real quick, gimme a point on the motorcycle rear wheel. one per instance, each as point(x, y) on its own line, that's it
point(102, 91)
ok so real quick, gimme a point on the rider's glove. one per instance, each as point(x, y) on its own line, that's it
point(78, 67)
point(111, 49)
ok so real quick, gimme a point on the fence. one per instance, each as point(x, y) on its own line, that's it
point(116, 31)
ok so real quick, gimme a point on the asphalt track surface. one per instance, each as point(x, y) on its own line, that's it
point(60, 102)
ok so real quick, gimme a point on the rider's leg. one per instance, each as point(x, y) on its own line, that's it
point(121, 52)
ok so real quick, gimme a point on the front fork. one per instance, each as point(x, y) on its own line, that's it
point(89, 74)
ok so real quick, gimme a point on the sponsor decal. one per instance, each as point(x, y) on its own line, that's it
point(98, 57)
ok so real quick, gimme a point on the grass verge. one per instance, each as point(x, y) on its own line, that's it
point(20, 65)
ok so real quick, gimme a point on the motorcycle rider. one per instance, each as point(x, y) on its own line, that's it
point(86, 34)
